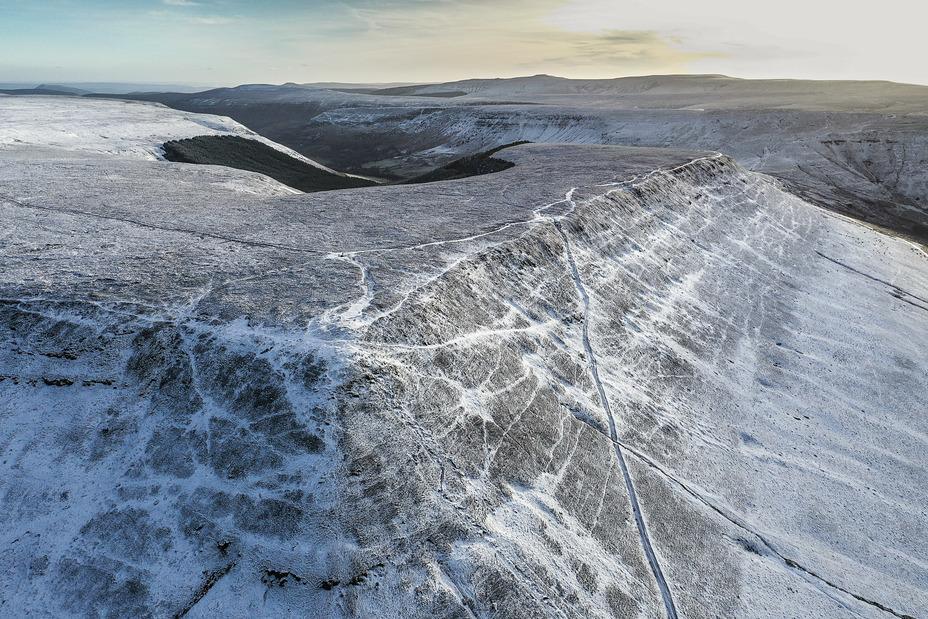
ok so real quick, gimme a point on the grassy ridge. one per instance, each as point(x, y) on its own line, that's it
point(244, 154)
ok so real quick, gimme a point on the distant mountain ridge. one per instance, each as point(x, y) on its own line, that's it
point(656, 84)
point(81, 88)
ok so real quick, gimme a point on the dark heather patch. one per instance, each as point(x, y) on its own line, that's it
point(269, 517)
point(102, 588)
point(128, 534)
point(244, 154)
point(620, 603)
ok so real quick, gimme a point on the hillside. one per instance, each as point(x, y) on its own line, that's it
point(857, 148)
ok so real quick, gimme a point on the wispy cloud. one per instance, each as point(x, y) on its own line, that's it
point(210, 21)
point(620, 47)
point(207, 20)
point(434, 38)
point(437, 40)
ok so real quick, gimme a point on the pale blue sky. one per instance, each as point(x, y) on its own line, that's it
point(233, 41)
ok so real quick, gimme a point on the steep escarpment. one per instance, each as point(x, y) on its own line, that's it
point(606, 419)
point(884, 171)
point(868, 166)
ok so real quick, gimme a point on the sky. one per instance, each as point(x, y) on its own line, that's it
point(229, 42)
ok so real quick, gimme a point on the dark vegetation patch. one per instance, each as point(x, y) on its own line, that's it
point(253, 156)
point(57, 382)
point(445, 94)
point(401, 91)
point(329, 584)
point(414, 91)
point(471, 165)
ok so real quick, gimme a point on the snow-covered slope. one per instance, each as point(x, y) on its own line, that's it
point(867, 165)
point(605, 382)
point(130, 130)
point(710, 91)
point(858, 148)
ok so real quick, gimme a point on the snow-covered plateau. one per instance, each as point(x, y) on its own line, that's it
point(606, 382)
point(857, 148)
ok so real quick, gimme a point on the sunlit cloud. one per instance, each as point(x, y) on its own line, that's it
point(205, 20)
point(798, 39)
point(434, 41)
point(437, 40)
point(209, 21)
point(615, 48)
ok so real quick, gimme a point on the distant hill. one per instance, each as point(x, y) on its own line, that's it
point(67, 89)
point(36, 91)
point(81, 88)
point(718, 85)
point(358, 86)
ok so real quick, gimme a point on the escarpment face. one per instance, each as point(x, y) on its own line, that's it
point(691, 293)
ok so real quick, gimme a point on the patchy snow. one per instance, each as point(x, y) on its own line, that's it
point(129, 129)
point(855, 147)
point(483, 397)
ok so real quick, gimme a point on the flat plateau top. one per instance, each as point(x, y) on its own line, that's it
point(90, 212)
